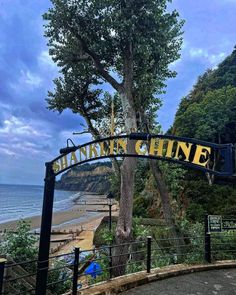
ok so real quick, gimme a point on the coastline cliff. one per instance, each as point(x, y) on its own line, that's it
point(87, 178)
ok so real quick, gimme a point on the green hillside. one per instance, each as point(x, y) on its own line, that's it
point(208, 112)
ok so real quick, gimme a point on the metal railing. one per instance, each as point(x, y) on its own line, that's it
point(85, 267)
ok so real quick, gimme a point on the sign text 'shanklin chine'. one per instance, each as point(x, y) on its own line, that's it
point(182, 151)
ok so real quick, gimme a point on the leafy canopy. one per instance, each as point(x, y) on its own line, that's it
point(216, 87)
point(211, 118)
point(115, 41)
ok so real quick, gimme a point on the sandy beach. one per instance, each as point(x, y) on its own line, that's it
point(83, 217)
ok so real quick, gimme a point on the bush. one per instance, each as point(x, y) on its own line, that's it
point(20, 245)
point(57, 275)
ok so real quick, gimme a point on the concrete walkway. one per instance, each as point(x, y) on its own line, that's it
point(215, 282)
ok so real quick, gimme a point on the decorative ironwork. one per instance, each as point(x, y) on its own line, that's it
point(208, 157)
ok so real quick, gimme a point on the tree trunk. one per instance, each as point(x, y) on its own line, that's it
point(166, 205)
point(124, 224)
point(211, 177)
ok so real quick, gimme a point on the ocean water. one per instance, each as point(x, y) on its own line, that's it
point(20, 201)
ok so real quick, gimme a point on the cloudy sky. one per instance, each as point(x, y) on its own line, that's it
point(30, 135)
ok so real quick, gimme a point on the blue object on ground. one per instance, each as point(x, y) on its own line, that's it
point(94, 270)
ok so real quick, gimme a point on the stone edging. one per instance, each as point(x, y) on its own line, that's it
point(123, 283)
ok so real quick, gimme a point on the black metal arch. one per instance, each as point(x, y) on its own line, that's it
point(227, 149)
point(41, 282)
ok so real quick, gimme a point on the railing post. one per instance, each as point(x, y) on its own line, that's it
point(149, 251)
point(2, 268)
point(110, 261)
point(75, 272)
point(207, 241)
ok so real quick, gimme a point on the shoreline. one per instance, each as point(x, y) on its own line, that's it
point(74, 227)
point(85, 207)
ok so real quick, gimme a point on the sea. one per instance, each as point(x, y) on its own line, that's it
point(21, 201)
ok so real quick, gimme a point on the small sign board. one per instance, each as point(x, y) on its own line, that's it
point(228, 224)
point(214, 223)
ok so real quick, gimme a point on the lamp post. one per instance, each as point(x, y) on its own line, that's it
point(110, 198)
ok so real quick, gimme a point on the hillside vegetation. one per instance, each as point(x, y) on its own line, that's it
point(208, 113)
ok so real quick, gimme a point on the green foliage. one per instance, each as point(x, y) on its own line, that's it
point(208, 108)
point(194, 240)
point(210, 118)
point(108, 236)
point(195, 211)
point(56, 275)
point(114, 180)
point(215, 199)
point(139, 230)
point(145, 191)
point(141, 204)
point(134, 266)
point(174, 175)
point(20, 245)
point(224, 245)
point(165, 252)
point(113, 42)
point(224, 75)
point(141, 175)
point(208, 113)
point(103, 236)
point(89, 39)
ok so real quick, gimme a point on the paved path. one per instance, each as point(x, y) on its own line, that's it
point(216, 282)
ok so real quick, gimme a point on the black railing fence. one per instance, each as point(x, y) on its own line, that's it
point(69, 272)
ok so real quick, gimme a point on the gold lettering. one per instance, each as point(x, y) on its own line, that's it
point(102, 149)
point(83, 152)
point(170, 144)
point(73, 159)
point(56, 167)
point(64, 163)
point(186, 149)
point(156, 147)
point(112, 147)
point(201, 151)
point(138, 147)
point(93, 151)
point(121, 144)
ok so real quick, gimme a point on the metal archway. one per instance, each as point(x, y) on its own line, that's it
point(189, 152)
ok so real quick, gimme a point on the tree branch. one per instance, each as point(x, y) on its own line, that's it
point(117, 86)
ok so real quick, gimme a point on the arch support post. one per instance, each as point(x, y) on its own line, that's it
point(45, 231)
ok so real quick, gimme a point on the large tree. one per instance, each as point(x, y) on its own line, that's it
point(126, 43)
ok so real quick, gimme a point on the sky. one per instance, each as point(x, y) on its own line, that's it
point(31, 135)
